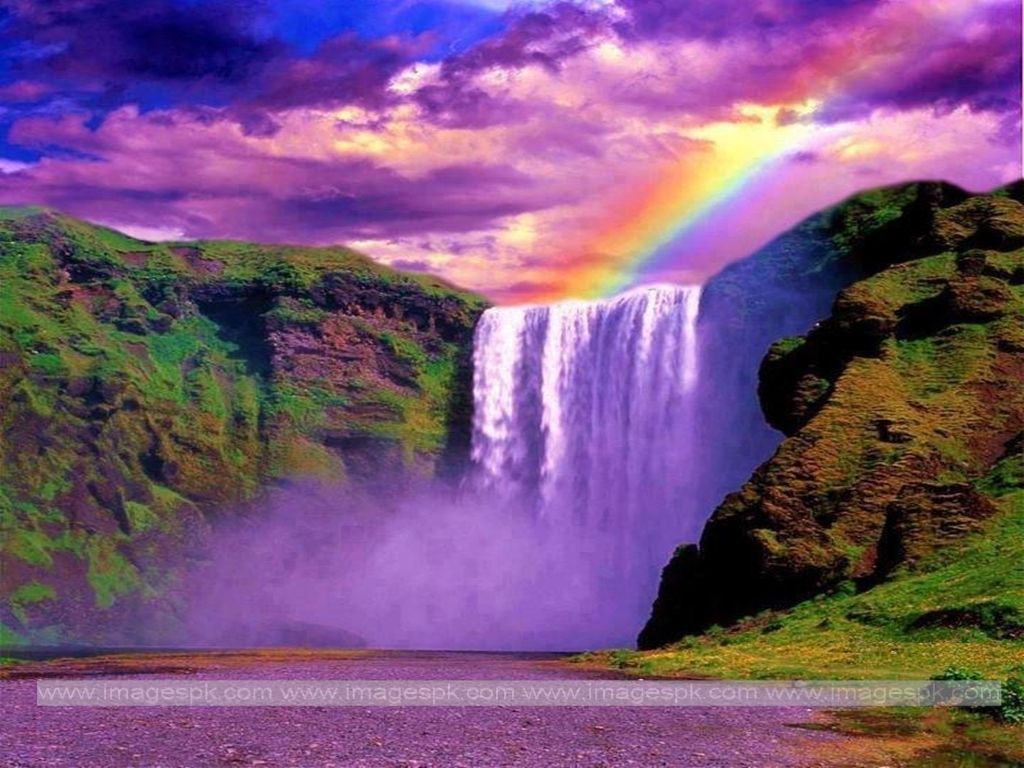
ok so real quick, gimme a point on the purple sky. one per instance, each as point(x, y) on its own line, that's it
point(512, 148)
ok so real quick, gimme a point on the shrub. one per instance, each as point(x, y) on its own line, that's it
point(846, 588)
point(959, 673)
point(621, 659)
point(1012, 708)
point(772, 626)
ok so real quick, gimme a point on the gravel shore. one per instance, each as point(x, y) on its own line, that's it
point(573, 737)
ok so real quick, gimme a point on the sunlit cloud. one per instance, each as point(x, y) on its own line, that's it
point(566, 153)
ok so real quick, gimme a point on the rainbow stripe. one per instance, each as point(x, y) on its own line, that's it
point(665, 222)
point(675, 217)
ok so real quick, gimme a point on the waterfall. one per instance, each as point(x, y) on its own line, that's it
point(583, 477)
point(583, 418)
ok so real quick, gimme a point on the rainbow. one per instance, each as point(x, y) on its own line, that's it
point(663, 223)
point(674, 217)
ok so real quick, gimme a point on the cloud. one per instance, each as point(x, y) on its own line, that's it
point(973, 62)
point(118, 41)
point(12, 166)
point(499, 165)
point(412, 265)
point(104, 54)
point(211, 178)
point(343, 70)
point(722, 19)
point(149, 234)
point(24, 91)
point(543, 39)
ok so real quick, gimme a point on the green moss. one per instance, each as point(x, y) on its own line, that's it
point(11, 639)
point(302, 407)
point(1006, 477)
point(301, 313)
point(281, 268)
point(33, 592)
point(910, 283)
point(857, 219)
point(857, 635)
point(47, 364)
point(53, 486)
point(109, 573)
point(27, 595)
point(421, 417)
point(140, 516)
point(206, 391)
point(30, 546)
point(118, 375)
point(406, 349)
point(787, 345)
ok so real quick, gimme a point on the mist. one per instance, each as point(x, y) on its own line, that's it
point(577, 490)
point(442, 569)
point(604, 434)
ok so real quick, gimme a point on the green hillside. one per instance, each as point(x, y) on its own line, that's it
point(146, 387)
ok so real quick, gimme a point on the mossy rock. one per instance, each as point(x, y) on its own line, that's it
point(902, 410)
point(147, 388)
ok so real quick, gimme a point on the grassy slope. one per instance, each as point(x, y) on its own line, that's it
point(924, 738)
point(127, 409)
point(865, 636)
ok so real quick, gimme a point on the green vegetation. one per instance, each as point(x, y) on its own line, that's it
point(929, 738)
point(30, 594)
point(883, 540)
point(961, 606)
point(144, 386)
point(869, 635)
point(1012, 708)
point(903, 411)
point(857, 220)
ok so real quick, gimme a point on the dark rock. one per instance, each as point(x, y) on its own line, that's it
point(997, 620)
point(891, 431)
point(972, 263)
point(676, 612)
point(975, 299)
point(983, 221)
point(161, 323)
point(791, 390)
point(861, 321)
point(132, 324)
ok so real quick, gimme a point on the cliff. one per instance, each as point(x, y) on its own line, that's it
point(902, 410)
point(146, 388)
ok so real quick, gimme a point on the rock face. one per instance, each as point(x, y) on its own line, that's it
point(782, 291)
point(145, 388)
point(896, 408)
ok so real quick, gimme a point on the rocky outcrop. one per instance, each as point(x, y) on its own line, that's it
point(147, 388)
point(896, 408)
point(782, 291)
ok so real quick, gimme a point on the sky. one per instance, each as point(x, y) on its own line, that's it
point(528, 150)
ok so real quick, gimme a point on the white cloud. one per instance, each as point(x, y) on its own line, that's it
point(12, 166)
point(152, 234)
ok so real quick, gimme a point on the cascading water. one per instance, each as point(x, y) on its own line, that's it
point(584, 468)
point(583, 418)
